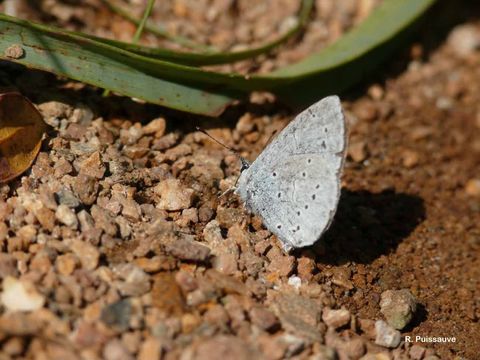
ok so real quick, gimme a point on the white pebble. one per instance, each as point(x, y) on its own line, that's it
point(18, 295)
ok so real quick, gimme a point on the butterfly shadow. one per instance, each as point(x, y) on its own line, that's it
point(368, 225)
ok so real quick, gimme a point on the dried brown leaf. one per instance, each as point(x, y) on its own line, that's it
point(21, 131)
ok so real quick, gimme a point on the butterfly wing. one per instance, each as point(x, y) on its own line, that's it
point(294, 185)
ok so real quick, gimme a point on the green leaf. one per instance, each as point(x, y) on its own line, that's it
point(108, 67)
point(199, 91)
point(354, 56)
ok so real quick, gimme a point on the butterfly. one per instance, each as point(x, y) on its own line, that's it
point(294, 184)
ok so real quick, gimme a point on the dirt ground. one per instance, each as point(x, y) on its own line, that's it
point(120, 247)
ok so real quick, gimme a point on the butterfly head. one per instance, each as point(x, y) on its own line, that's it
point(245, 164)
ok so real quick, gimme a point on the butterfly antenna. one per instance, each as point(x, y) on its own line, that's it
point(245, 163)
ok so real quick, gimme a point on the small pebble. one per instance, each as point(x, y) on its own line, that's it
point(376, 92)
point(66, 197)
point(8, 266)
point(417, 352)
point(410, 158)
point(115, 350)
point(93, 166)
point(66, 216)
point(305, 268)
point(117, 314)
point(295, 282)
point(173, 195)
point(150, 349)
point(155, 264)
point(156, 127)
point(131, 135)
point(263, 318)
point(86, 221)
point(134, 281)
point(186, 281)
point(52, 111)
point(75, 131)
point(280, 263)
point(186, 249)
point(224, 261)
point(223, 347)
point(19, 295)
point(464, 39)
point(323, 352)
point(228, 217)
point(245, 124)
point(336, 318)
point(86, 187)
point(14, 51)
point(354, 348)
point(86, 253)
point(472, 188)
point(357, 151)
point(386, 336)
point(66, 264)
point(166, 295)
point(299, 315)
point(13, 346)
point(376, 356)
point(104, 220)
point(444, 103)
point(398, 307)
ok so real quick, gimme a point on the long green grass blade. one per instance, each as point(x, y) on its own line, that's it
point(155, 29)
point(139, 31)
point(205, 92)
point(210, 57)
point(143, 22)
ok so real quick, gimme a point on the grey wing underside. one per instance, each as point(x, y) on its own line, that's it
point(294, 184)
